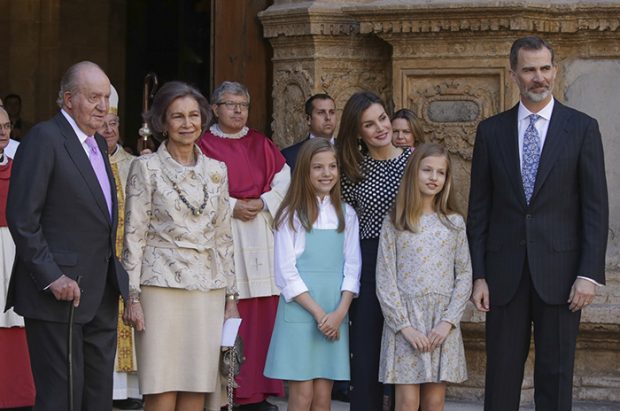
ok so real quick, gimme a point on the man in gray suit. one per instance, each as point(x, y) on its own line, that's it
point(62, 214)
point(537, 228)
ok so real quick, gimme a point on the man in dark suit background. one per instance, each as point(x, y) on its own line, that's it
point(62, 214)
point(320, 112)
point(537, 228)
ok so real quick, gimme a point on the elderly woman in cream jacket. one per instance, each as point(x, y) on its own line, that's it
point(178, 252)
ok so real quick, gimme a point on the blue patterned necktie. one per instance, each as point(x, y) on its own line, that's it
point(531, 157)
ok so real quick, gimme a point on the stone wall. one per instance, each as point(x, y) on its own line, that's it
point(448, 61)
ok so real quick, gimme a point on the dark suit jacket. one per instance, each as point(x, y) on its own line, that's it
point(290, 153)
point(562, 234)
point(60, 223)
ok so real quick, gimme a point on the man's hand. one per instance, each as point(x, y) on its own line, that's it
point(581, 294)
point(480, 295)
point(65, 289)
point(247, 210)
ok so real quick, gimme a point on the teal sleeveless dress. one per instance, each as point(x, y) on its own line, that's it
point(298, 350)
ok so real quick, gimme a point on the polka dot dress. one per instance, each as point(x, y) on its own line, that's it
point(373, 196)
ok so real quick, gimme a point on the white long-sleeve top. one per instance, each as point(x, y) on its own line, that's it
point(290, 243)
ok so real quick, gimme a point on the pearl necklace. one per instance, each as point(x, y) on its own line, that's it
point(195, 211)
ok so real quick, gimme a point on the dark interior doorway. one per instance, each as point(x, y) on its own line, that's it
point(170, 38)
point(202, 42)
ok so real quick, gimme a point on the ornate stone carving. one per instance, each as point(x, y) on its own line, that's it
point(480, 88)
point(424, 18)
point(296, 22)
point(291, 88)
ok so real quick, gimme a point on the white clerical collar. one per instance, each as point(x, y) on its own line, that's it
point(215, 130)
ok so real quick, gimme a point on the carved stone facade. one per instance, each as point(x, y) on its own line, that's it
point(448, 61)
point(319, 50)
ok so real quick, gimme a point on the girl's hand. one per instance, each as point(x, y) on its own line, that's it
point(417, 340)
point(231, 310)
point(133, 315)
point(330, 325)
point(439, 334)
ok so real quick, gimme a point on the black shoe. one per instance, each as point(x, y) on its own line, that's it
point(266, 406)
point(128, 404)
point(339, 395)
point(260, 406)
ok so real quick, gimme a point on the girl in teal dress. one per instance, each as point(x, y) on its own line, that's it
point(318, 263)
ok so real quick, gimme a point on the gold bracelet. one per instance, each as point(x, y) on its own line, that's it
point(134, 300)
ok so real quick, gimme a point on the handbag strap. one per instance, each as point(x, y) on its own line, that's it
point(230, 383)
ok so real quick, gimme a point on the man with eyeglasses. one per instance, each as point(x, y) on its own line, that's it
point(258, 179)
point(11, 148)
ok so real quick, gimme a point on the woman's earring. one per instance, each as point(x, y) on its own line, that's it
point(165, 133)
point(359, 144)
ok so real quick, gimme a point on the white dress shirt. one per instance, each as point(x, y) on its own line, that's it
point(290, 243)
point(80, 134)
point(542, 125)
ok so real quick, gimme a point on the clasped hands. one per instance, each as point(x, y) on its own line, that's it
point(427, 343)
point(329, 324)
point(247, 210)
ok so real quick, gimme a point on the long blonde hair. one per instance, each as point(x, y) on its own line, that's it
point(407, 210)
point(300, 198)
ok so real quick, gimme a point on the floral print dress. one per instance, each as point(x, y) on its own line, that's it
point(423, 278)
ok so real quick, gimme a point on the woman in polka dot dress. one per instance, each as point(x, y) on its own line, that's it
point(371, 169)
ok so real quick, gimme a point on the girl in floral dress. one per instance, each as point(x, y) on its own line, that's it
point(423, 284)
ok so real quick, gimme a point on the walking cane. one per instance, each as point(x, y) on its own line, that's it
point(70, 348)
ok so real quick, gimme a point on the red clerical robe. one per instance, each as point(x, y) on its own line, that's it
point(252, 161)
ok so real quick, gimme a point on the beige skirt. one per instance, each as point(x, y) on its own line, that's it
point(179, 349)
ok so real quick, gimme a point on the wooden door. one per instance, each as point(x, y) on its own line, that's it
point(240, 53)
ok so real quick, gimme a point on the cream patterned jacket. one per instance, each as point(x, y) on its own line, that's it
point(165, 243)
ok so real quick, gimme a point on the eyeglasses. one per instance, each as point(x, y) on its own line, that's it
point(6, 126)
point(231, 105)
point(110, 124)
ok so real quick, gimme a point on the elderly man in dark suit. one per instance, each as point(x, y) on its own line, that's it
point(62, 214)
point(537, 228)
point(320, 112)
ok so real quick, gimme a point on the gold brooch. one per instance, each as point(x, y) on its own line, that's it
point(216, 178)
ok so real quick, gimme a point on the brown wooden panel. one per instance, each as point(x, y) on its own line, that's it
point(240, 53)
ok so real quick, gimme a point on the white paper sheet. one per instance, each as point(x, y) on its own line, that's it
point(229, 332)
